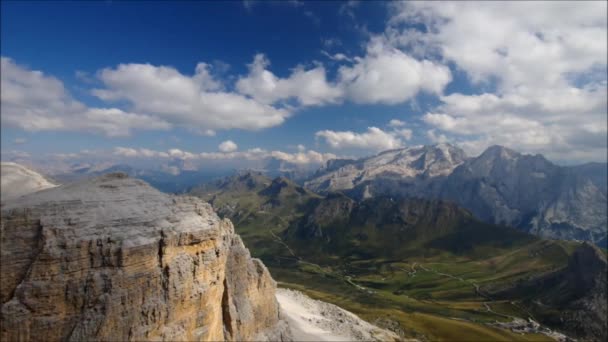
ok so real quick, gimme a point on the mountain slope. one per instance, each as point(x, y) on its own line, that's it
point(409, 264)
point(17, 180)
point(529, 192)
point(572, 299)
point(382, 227)
point(500, 186)
point(416, 164)
point(258, 206)
point(595, 172)
point(111, 258)
point(338, 232)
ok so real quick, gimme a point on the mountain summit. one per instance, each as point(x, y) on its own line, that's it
point(412, 163)
point(500, 186)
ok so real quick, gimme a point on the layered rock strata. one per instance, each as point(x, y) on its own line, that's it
point(114, 259)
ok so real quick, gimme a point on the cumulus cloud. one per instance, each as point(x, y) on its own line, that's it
point(388, 75)
point(374, 139)
point(384, 75)
point(197, 102)
point(532, 43)
point(308, 87)
point(544, 61)
point(227, 146)
point(33, 101)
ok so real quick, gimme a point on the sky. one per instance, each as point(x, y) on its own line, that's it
point(300, 81)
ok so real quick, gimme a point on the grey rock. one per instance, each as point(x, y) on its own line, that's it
point(111, 258)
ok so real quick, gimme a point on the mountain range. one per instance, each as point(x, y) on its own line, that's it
point(500, 186)
point(404, 263)
point(410, 254)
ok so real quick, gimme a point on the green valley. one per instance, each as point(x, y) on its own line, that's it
point(425, 269)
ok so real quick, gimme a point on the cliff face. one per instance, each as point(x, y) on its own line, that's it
point(113, 259)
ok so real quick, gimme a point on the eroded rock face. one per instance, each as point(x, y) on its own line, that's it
point(114, 259)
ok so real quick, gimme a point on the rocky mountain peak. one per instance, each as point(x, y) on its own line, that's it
point(409, 162)
point(119, 260)
point(498, 151)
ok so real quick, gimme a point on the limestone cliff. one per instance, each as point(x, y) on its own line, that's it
point(113, 259)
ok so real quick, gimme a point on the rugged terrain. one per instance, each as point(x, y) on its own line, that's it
point(419, 268)
point(499, 186)
point(414, 167)
point(111, 258)
point(530, 193)
point(572, 298)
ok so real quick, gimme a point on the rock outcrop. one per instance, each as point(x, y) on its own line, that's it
point(114, 259)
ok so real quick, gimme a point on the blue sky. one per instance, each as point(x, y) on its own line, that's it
point(119, 79)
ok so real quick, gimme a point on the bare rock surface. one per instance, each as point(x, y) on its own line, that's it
point(18, 180)
point(111, 258)
point(414, 165)
point(500, 186)
point(315, 320)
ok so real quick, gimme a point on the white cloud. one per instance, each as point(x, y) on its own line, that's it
point(539, 121)
point(373, 139)
point(384, 75)
point(531, 43)
point(405, 133)
point(196, 102)
point(131, 152)
point(255, 154)
point(546, 64)
point(307, 157)
point(19, 141)
point(33, 101)
point(388, 75)
point(309, 87)
point(396, 123)
point(227, 146)
point(338, 57)
point(436, 138)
